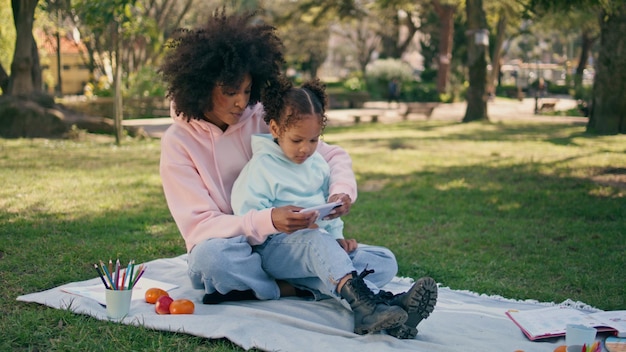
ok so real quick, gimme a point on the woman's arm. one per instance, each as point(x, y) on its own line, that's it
point(343, 185)
point(195, 200)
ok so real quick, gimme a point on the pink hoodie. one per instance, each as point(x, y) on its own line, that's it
point(199, 164)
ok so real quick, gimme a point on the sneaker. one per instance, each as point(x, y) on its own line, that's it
point(419, 301)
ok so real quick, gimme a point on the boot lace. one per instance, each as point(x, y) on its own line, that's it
point(384, 297)
point(360, 288)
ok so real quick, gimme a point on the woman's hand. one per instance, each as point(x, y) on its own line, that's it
point(343, 209)
point(287, 219)
point(348, 245)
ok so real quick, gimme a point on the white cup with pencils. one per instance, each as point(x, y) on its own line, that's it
point(119, 284)
point(118, 303)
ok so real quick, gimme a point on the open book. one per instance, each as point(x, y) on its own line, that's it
point(552, 321)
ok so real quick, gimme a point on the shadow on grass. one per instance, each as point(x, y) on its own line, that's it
point(509, 231)
point(553, 133)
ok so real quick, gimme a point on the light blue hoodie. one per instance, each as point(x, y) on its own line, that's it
point(270, 180)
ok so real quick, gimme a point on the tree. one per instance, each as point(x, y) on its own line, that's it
point(445, 11)
point(143, 40)
point(7, 43)
point(608, 106)
point(392, 16)
point(477, 61)
point(25, 76)
point(361, 37)
point(505, 23)
point(369, 26)
point(306, 44)
point(108, 17)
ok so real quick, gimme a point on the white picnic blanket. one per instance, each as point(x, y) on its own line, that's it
point(462, 320)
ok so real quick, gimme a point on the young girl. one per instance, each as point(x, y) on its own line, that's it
point(286, 169)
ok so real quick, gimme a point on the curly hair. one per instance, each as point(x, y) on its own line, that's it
point(287, 105)
point(220, 53)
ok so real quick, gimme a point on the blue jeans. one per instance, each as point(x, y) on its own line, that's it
point(308, 259)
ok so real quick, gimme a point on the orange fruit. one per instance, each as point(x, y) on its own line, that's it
point(182, 306)
point(152, 294)
point(561, 348)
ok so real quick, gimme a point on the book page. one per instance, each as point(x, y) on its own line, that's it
point(552, 321)
point(612, 318)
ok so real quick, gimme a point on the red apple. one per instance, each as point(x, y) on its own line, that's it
point(162, 305)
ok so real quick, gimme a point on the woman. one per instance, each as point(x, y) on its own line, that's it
point(216, 75)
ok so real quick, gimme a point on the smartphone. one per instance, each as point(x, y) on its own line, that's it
point(324, 209)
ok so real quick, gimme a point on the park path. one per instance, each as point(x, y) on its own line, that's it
point(498, 110)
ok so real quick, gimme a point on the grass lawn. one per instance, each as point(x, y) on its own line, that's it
point(521, 210)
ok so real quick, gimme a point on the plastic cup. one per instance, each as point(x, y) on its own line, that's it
point(118, 303)
point(579, 335)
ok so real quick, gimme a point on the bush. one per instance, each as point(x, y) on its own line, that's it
point(145, 83)
point(429, 75)
point(380, 72)
point(421, 92)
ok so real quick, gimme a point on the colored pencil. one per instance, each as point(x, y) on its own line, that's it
point(101, 276)
point(118, 278)
point(141, 271)
point(131, 265)
point(117, 273)
point(108, 275)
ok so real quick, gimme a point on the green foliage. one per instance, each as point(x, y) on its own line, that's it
point(387, 69)
point(7, 35)
point(421, 92)
point(100, 14)
point(558, 89)
point(582, 92)
point(380, 72)
point(145, 83)
point(102, 88)
point(355, 82)
point(509, 91)
point(429, 75)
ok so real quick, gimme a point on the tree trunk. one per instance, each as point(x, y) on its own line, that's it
point(117, 108)
point(587, 43)
point(446, 40)
point(21, 80)
point(608, 109)
point(35, 69)
point(389, 37)
point(497, 49)
point(4, 80)
point(477, 62)
point(59, 87)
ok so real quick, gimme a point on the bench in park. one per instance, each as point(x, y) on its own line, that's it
point(548, 104)
point(372, 115)
point(419, 108)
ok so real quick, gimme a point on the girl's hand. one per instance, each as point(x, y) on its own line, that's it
point(343, 209)
point(348, 245)
point(287, 219)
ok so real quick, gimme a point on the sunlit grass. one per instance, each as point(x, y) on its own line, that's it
point(525, 211)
